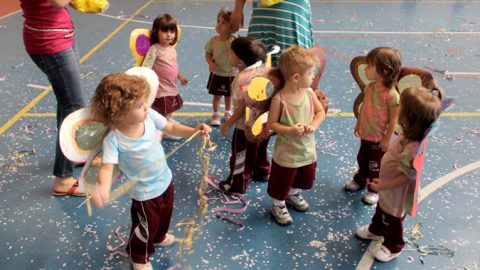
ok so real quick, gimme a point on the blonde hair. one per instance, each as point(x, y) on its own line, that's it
point(116, 95)
point(225, 14)
point(387, 62)
point(419, 108)
point(295, 60)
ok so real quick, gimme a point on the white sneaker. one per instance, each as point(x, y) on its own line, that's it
point(281, 215)
point(364, 233)
point(383, 254)
point(352, 186)
point(142, 266)
point(297, 202)
point(215, 121)
point(370, 198)
point(168, 241)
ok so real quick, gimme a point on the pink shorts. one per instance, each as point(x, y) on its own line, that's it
point(167, 105)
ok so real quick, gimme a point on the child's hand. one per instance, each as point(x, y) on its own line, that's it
point(297, 129)
point(204, 128)
point(384, 144)
point(308, 128)
point(183, 80)
point(100, 196)
point(356, 131)
point(224, 129)
point(376, 185)
point(212, 67)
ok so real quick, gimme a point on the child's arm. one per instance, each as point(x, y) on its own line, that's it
point(273, 124)
point(385, 141)
point(182, 79)
point(101, 195)
point(150, 57)
point(211, 64)
point(239, 112)
point(319, 116)
point(378, 185)
point(177, 129)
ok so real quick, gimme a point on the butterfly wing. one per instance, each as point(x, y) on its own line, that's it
point(80, 135)
point(151, 78)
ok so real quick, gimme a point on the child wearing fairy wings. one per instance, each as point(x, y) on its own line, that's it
point(419, 108)
point(295, 114)
point(119, 102)
point(376, 122)
point(162, 58)
point(248, 159)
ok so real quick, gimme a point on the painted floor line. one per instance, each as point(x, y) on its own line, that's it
point(402, 33)
point(37, 86)
point(367, 259)
point(37, 99)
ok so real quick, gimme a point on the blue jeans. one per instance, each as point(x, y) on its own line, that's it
point(63, 73)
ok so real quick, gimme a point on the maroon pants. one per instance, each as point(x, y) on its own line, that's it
point(282, 179)
point(247, 159)
point(167, 105)
point(390, 227)
point(369, 157)
point(150, 222)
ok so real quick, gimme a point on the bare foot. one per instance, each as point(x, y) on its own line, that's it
point(67, 186)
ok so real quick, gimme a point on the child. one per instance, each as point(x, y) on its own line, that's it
point(295, 113)
point(221, 72)
point(248, 159)
point(419, 108)
point(377, 119)
point(162, 58)
point(120, 103)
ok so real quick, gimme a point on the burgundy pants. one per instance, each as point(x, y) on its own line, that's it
point(369, 157)
point(247, 159)
point(150, 222)
point(282, 179)
point(390, 227)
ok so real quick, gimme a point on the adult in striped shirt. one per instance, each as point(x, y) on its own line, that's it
point(285, 24)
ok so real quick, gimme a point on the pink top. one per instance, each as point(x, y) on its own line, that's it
point(166, 67)
point(397, 161)
point(374, 115)
point(47, 29)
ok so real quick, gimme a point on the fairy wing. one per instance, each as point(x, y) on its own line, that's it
point(140, 43)
point(408, 77)
point(80, 135)
point(319, 69)
point(411, 202)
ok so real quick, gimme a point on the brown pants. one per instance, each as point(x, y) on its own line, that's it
point(369, 157)
point(390, 227)
point(247, 159)
point(282, 179)
point(150, 222)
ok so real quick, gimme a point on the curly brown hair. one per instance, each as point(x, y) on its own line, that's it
point(115, 96)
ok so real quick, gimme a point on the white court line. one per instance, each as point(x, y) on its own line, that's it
point(461, 73)
point(367, 259)
point(10, 14)
point(319, 32)
point(37, 86)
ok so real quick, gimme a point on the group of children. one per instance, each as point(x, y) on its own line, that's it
point(295, 113)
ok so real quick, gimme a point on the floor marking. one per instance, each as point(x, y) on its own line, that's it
point(10, 14)
point(367, 259)
point(37, 99)
point(37, 86)
point(433, 186)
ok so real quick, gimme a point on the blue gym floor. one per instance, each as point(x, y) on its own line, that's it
point(39, 231)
